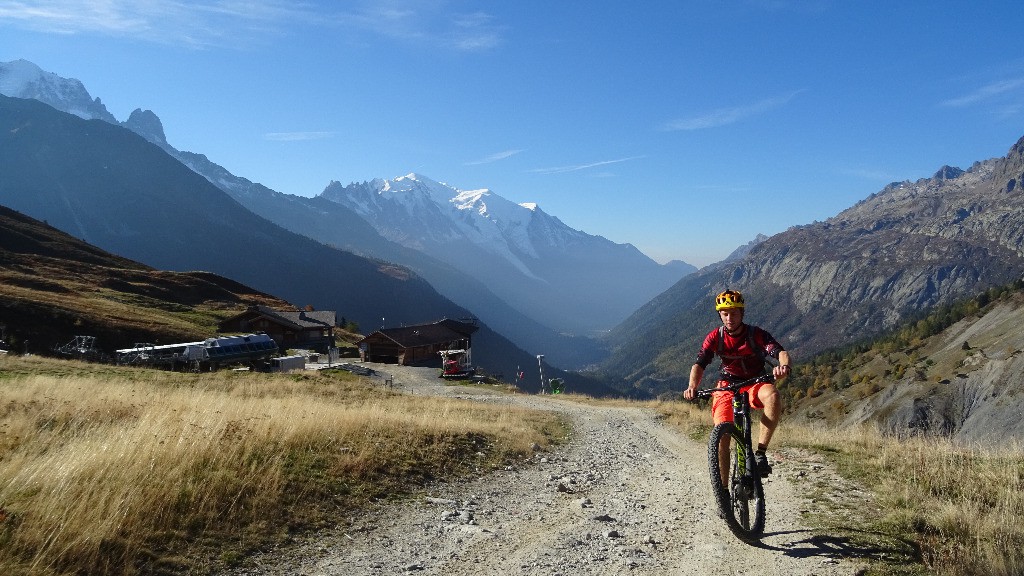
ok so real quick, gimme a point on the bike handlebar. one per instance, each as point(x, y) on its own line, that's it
point(735, 386)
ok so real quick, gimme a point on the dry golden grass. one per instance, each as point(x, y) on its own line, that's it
point(123, 471)
point(78, 297)
point(961, 506)
point(691, 419)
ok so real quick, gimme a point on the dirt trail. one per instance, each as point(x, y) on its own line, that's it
point(626, 496)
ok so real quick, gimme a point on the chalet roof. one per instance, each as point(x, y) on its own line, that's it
point(297, 319)
point(465, 328)
point(426, 334)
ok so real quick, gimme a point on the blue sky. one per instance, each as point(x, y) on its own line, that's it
point(682, 127)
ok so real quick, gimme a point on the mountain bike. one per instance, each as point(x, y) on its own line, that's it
point(742, 502)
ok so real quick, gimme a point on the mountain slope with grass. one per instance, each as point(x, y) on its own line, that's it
point(54, 287)
point(952, 373)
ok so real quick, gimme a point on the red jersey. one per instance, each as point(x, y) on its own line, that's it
point(742, 354)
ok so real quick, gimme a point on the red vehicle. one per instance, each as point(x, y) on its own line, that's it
point(455, 364)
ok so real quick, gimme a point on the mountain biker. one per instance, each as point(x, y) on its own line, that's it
point(743, 349)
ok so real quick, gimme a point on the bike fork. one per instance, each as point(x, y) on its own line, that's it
point(745, 464)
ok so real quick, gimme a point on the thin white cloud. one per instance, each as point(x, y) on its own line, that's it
point(297, 136)
point(494, 157)
point(985, 93)
point(726, 116)
point(70, 17)
point(197, 24)
point(416, 21)
point(723, 188)
point(578, 167)
point(241, 23)
point(475, 31)
point(475, 42)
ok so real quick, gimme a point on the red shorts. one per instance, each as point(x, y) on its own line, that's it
point(721, 403)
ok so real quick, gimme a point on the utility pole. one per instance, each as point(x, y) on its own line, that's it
point(540, 366)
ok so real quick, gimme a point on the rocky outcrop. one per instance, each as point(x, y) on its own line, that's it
point(902, 250)
point(961, 383)
point(146, 124)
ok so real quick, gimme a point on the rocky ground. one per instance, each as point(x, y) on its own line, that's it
point(626, 496)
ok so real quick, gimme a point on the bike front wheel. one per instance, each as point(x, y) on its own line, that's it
point(742, 502)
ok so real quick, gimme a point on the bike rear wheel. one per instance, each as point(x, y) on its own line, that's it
point(742, 502)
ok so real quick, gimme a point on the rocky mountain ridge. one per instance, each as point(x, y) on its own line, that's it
point(23, 79)
point(911, 246)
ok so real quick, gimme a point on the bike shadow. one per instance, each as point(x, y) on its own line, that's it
point(842, 543)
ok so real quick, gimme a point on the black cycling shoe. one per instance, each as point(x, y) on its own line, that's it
point(763, 467)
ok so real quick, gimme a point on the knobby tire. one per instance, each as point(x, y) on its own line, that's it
point(745, 517)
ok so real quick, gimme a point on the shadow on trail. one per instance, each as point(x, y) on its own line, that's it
point(843, 544)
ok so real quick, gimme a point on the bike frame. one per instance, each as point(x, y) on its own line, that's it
point(740, 412)
point(741, 419)
point(744, 484)
point(743, 423)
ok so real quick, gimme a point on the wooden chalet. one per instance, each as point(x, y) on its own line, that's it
point(417, 345)
point(313, 330)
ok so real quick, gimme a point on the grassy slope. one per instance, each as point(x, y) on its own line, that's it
point(54, 287)
point(107, 469)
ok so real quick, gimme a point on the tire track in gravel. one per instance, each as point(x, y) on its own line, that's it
point(626, 495)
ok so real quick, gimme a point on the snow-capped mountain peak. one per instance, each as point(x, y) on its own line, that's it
point(23, 79)
point(563, 278)
point(525, 255)
point(419, 212)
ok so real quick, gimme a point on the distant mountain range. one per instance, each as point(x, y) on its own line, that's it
point(113, 189)
point(556, 275)
point(517, 268)
point(901, 251)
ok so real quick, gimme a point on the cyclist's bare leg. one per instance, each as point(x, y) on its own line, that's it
point(724, 458)
point(768, 395)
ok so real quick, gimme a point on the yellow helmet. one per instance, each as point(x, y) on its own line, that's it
point(728, 300)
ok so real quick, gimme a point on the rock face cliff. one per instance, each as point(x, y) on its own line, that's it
point(961, 383)
point(902, 250)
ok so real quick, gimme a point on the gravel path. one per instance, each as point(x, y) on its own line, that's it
point(626, 496)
